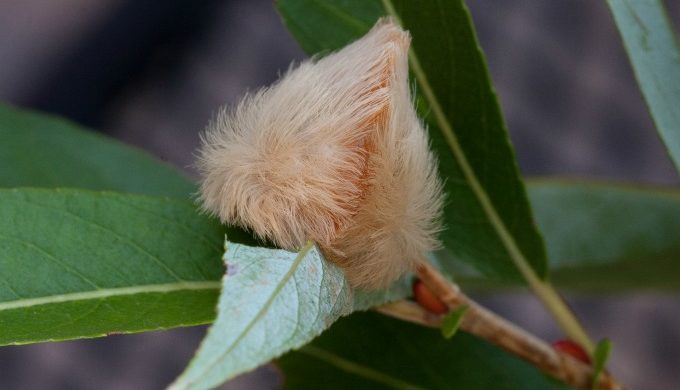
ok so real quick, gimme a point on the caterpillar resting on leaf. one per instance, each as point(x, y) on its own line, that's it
point(332, 152)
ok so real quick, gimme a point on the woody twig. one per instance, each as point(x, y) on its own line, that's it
point(486, 325)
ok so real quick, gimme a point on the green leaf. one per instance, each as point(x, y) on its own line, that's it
point(38, 150)
point(606, 236)
point(653, 50)
point(600, 357)
point(488, 220)
point(272, 301)
point(369, 351)
point(451, 322)
point(77, 263)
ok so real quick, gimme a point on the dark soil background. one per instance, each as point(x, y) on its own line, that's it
point(153, 73)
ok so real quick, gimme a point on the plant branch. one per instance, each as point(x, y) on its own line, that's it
point(484, 324)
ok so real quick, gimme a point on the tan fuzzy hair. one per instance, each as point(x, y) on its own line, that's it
point(332, 152)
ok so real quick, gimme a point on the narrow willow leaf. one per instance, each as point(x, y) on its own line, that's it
point(451, 322)
point(272, 301)
point(369, 351)
point(605, 236)
point(77, 263)
point(38, 150)
point(600, 357)
point(488, 220)
point(653, 49)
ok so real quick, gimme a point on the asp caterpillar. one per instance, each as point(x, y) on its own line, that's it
point(332, 152)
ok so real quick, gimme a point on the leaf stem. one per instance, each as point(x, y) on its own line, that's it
point(545, 292)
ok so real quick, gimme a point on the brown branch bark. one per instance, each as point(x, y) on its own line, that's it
point(486, 325)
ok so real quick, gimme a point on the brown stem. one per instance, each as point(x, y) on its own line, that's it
point(498, 331)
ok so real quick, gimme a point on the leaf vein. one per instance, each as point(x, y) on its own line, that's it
point(51, 257)
point(262, 312)
point(117, 235)
point(110, 292)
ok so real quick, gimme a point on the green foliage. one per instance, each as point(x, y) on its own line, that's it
point(39, 150)
point(652, 46)
point(369, 351)
point(601, 236)
point(77, 263)
point(607, 237)
point(489, 225)
point(273, 301)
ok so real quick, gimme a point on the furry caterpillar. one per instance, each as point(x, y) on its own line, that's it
point(333, 152)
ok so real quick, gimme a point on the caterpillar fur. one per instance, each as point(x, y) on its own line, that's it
point(332, 152)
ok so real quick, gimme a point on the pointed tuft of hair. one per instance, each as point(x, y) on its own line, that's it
point(333, 152)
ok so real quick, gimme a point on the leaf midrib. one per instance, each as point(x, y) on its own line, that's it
point(108, 293)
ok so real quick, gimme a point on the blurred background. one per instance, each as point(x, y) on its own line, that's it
point(153, 76)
